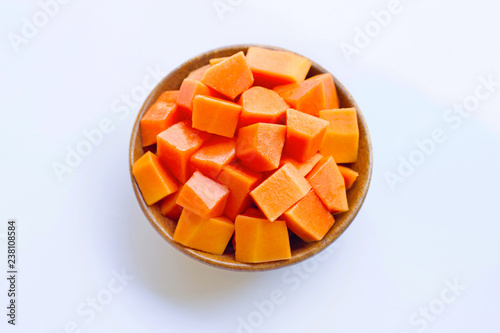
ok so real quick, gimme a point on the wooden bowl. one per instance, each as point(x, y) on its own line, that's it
point(300, 250)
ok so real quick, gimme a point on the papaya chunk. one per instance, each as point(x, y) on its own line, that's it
point(187, 92)
point(260, 240)
point(169, 206)
point(331, 97)
point(308, 218)
point(302, 167)
point(230, 77)
point(159, 117)
point(205, 234)
point(203, 196)
point(349, 175)
point(259, 146)
point(328, 183)
point(169, 96)
point(342, 135)
point(261, 105)
point(272, 68)
point(307, 96)
point(215, 154)
point(177, 144)
point(240, 182)
point(215, 115)
point(304, 134)
point(280, 191)
point(154, 181)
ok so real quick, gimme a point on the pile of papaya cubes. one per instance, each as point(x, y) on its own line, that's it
point(245, 154)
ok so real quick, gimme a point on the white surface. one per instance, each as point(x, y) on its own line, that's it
point(441, 224)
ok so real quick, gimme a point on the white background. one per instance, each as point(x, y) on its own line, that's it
point(439, 226)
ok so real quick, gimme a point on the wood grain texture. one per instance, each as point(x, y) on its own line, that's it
point(300, 250)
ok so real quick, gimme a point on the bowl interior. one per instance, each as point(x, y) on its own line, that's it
point(300, 250)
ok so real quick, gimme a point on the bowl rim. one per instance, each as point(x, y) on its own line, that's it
point(209, 258)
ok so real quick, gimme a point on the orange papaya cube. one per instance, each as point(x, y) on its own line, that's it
point(159, 117)
point(331, 97)
point(280, 191)
point(187, 92)
point(328, 183)
point(154, 181)
point(342, 135)
point(309, 219)
point(349, 175)
point(230, 77)
point(259, 146)
point(215, 61)
point(240, 182)
point(176, 145)
point(215, 154)
point(215, 115)
point(260, 240)
point(254, 212)
point(261, 105)
point(251, 212)
point(198, 72)
point(169, 206)
point(169, 96)
point(302, 167)
point(203, 196)
point(205, 234)
point(304, 134)
point(307, 96)
point(272, 68)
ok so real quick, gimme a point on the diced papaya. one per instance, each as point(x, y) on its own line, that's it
point(215, 115)
point(342, 135)
point(307, 96)
point(259, 146)
point(308, 218)
point(272, 68)
point(215, 154)
point(349, 175)
point(187, 92)
point(159, 117)
point(176, 145)
point(215, 61)
point(260, 240)
point(331, 97)
point(198, 73)
point(328, 183)
point(203, 196)
point(254, 212)
point(169, 206)
point(261, 105)
point(154, 181)
point(169, 96)
point(229, 77)
point(240, 182)
point(280, 191)
point(302, 167)
point(205, 234)
point(304, 134)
